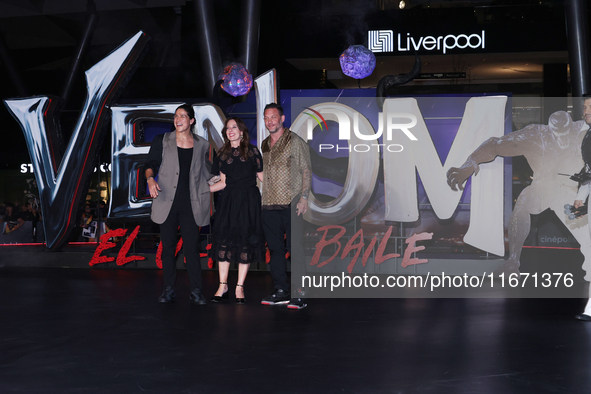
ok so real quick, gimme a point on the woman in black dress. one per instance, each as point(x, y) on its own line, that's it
point(237, 230)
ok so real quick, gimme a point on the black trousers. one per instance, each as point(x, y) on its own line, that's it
point(281, 232)
point(181, 215)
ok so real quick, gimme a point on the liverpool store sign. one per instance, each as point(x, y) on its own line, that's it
point(383, 41)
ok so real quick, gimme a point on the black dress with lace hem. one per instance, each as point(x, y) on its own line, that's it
point(237, 232)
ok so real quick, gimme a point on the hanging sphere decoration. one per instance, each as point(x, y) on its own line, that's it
point(357, 62)
point(236, 80)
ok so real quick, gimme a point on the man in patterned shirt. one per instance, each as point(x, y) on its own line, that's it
point(286, 186)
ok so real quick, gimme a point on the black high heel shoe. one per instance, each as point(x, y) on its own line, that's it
point(223, 297)
point(240, 300)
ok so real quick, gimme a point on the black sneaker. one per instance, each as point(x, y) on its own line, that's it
point(197, 297)
point(278, 297)
point(168, 295)
point(297, 303)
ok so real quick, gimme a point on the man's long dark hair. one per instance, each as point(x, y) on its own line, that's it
point(244, 142)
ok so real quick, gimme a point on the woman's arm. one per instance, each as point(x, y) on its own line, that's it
point(152, 184)
point(582, 195)
point(19, 225)
point(221, 185)
point(153, 164)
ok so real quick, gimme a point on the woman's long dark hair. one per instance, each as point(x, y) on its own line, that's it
point(244, 142)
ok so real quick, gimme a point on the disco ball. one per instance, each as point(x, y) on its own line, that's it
point(357, 62)
point(236, 80)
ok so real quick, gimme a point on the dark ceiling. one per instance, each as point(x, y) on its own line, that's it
point(41, 36)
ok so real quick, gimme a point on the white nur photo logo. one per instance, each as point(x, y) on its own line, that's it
point(382, 41)
point(356, 129)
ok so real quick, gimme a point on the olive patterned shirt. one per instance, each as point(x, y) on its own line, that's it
point(287, 170)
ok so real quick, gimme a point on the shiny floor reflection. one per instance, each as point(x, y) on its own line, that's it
point(101, 331)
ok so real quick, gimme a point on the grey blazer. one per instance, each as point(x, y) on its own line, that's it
point(168, 177)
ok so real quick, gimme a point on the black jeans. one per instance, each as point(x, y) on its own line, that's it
point(181, 214)
point(280, 231)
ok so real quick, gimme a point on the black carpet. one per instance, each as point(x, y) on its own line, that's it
point(102, 331)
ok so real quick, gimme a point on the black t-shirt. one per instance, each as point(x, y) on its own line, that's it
point(27, 216)
point(12, 217)
point(183, 192)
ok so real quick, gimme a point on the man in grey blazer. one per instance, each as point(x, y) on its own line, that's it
point(180, 198)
